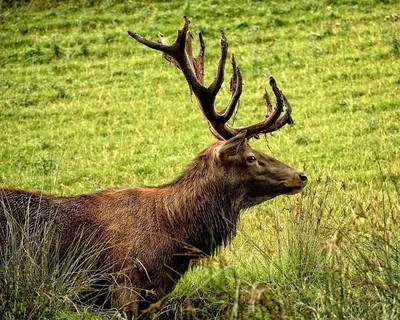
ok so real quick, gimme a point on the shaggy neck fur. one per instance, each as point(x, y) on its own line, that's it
point(204, 205)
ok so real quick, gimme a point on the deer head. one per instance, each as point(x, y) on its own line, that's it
point(258, 176)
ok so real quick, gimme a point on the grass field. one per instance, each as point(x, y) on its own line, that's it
point(84, 107)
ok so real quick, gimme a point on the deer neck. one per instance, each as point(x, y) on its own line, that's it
point(205, 207)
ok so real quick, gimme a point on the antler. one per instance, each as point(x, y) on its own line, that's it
point(180, 53)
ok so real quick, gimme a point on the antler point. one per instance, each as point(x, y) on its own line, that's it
point(272, 81)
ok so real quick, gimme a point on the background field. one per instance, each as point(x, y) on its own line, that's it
point(84, 107)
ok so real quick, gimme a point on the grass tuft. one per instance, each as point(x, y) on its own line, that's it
point(40, 279)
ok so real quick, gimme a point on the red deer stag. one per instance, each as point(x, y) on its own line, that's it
point(153, 234)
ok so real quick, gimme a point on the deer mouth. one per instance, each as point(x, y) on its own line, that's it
point(293, 187)
point(293, 190)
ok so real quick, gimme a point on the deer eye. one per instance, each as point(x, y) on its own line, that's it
point(251, 159)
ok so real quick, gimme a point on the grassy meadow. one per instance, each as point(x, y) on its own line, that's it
point(83, 107)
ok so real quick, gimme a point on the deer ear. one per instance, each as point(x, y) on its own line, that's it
point(231, 147)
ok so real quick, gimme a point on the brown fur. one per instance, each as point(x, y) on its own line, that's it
point(155, 233)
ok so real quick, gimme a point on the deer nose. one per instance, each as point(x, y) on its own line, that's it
point(303, 177)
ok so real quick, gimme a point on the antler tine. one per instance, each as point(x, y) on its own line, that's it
point(199, 61)
point(268, 125)
point(151, 44)
point(217, 83)
point(236, 85)
point(288, 112)
point(178, 52)
point(273, 121)
point(269, 104)
point(285, 119)
point(233, 82)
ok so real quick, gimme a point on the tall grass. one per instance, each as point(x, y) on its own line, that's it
point(328, 261)
point(39, 278)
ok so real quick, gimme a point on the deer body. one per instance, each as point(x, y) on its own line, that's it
point(154, 234)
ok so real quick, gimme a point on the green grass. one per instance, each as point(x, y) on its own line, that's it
point(33, 282)
point(84, 107)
